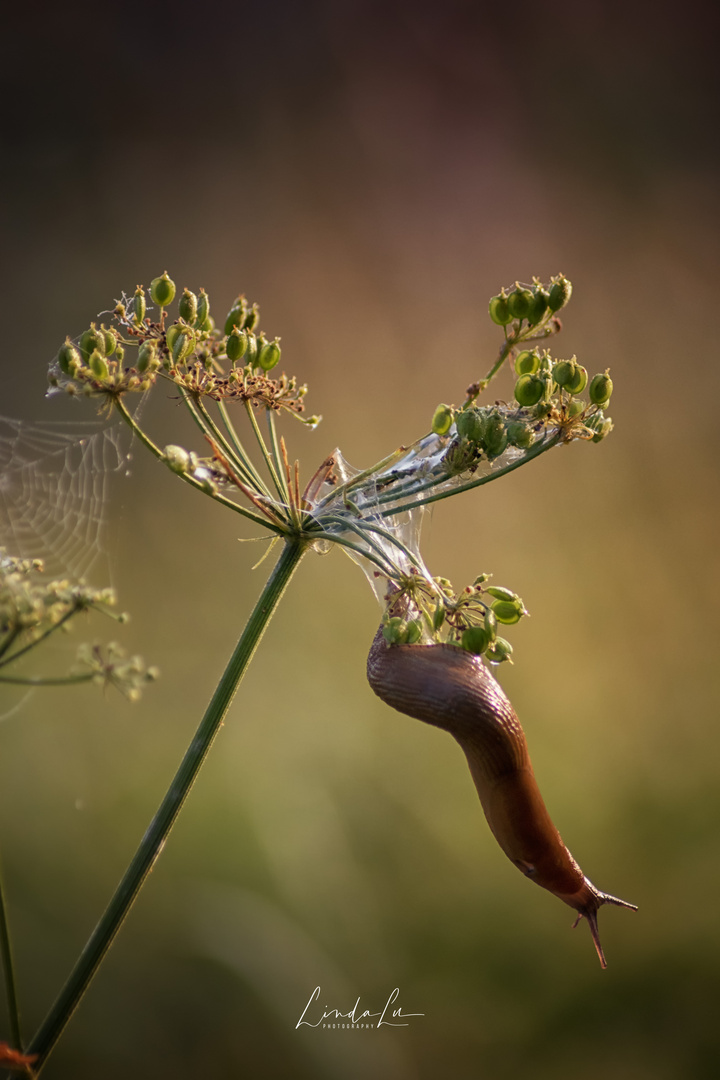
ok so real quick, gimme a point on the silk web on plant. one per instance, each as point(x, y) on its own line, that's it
point(55, 481)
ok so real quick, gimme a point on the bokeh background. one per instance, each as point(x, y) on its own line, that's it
point(372, 173)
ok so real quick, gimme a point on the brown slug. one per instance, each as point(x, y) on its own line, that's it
point(451, 688)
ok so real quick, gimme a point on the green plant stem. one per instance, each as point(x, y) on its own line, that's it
point(9, 971)
point(156, 835)
point(216, 496)
point(39, 680)
point(278, 478)
point(45, 634)
point(540, 447)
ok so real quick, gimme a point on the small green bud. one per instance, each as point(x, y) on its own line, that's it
point(442, 420)
point(499, 593)
point(162, 290)
point(560, 293)
point(236, 315)
point(236, 345)
point(495, 436)
point(147, 357)
point(414, 632)
point(109, 340)
point(203, 310)
point(579, 380)
point(499, 310)
point(600, 424)
point(188, 307)
point(480, 579)
point(177, 459)
point(538, 306)
point(601, 389)
point(491, 624)
point(527, 362)
point(543, 410)
point(438, 617)
point(68, 358)
point(395, 631)
point(508, 611)
point(98, 365)
point(499, 651)
point(575, 407)
point(520, 302)
point(529, 389)
point(183, 344)
point(139, 305)
point(252, 349)
point(269, 355)
point(469, 424)
point(92, 340)
point(475, 639)
point(520, 435)
point(252, 318)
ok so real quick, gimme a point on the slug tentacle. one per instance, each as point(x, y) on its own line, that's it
point(451, 688)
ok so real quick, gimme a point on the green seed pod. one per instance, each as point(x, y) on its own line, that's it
point(470, 425)
point(183, 344)
point(203, 310)
point(236, 345)
point(543, 410)
point(495, 436)
point(442, 420)
point(520, 435)
point(414, 632)
point(92, 340)
point(579, 380)
point(564, 372)
point(162, 290)
point(575, 407)
point(109, 340)
point(147, 359)
point(499, 311)
point(438, 617)
point(560, 292)
point(601, 389)
point(499, 593)
point(177, 459)
point(499, 651)
point(269, 355)
point(252, 349)
point(539, 305)
point(395, 631)
point(475, 639)
point(236, 315)
point(139, 305)
point(490, 624)
point(508, 611)
point(68, 358)
point(520, 302)
point(252, 318)
point(98, 365)
point(529, 389)
point(119, 354)
point(188, 307)
point(171, 335)
point(527, 362)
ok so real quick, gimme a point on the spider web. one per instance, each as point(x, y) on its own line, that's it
point(55, 482)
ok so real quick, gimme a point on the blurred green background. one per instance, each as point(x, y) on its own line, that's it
point(372, 173)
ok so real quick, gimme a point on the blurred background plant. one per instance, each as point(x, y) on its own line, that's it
point(397, 165)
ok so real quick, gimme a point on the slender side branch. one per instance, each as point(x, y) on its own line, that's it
point(156, 835)
point(157, 452)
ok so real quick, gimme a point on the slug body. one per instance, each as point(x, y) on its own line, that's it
point(451, 688)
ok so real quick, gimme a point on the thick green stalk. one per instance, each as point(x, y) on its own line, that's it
point(9, 972)
point(156, 835)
